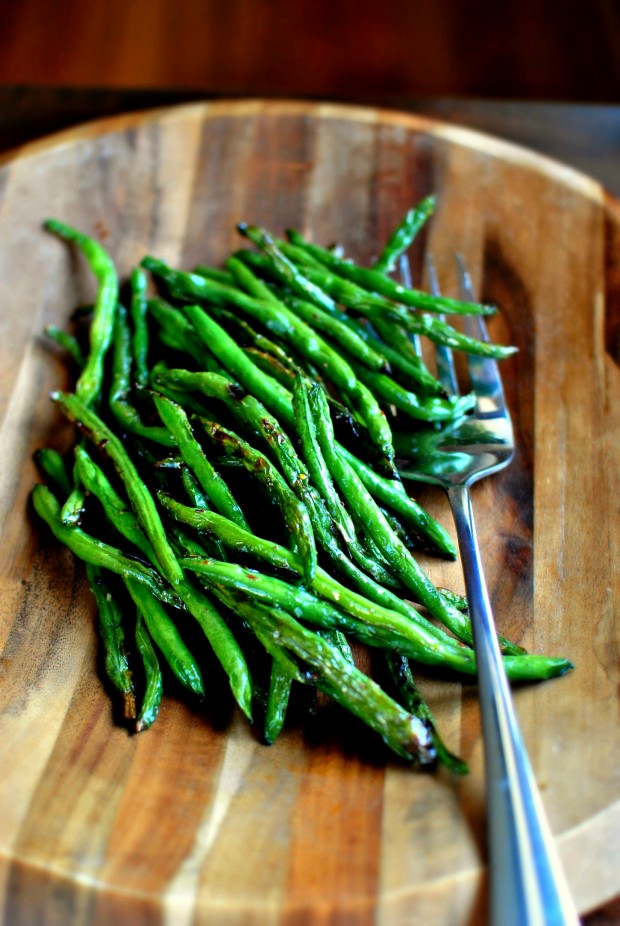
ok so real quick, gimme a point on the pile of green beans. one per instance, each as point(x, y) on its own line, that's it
point(234, 492)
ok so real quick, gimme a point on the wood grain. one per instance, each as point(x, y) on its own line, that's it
point(195, 821)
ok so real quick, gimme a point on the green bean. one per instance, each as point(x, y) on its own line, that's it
point(270, 329)
point(88, 386)
point(316, 464)
point(326, 289)
point(455, 599)
point(279, 319)
point(68, 343)
point(284, 669)
point(338, 639)
point(360, 499)
point(217, 632)
point(284, 270)
point(427, 408)
point(370, 571)
point(224, 646)
point(73, 508)
point(152, 676)
point(96, 552)
point(52, 466)
point(175, 331)
point(293, 511)
point(125, 413)
point(364, 402)
point(331, 364)
point(440, 332)
point(214, 273)
point(212, 483)
point(277, 316)
point(408, 363)
point(348, 612)
point(376, 285)
point(279, 557)
point(243, 276)
point(249, 338)
point(250, 412)
point(334, 674)
point(274, 396)
point(140, 339)
point(311, 314)
point(120, 515)
point(199, 500)
point(373, 626)
point(277, 701)
point(241, 541)
point(138, 494)
point(403, 235)
point(110, 623)
point(323, 482)
point(272, 367)
point(413, 701)
point(346, 336)
point(188, 402)
point(167, 638)
point(402, 360)
point(391, 492)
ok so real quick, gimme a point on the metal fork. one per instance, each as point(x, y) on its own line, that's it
point(527, 884)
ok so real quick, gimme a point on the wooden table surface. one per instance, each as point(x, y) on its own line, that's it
point(585, 137)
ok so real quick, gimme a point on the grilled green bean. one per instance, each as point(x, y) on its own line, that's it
point(280, 320)
point(52, 466)
point(212, 482)
point(88, 386)
point(216, 630)
point(274, 396)
point(413, 701)
point(293, 511)
point(260, 339)
point(370, 625)
point(199, 500)
point(167, 638)
point(378, 528)
point(110, 624)
point(119, 513)
point(277, 701)
point(96, 552)
point(125, 413)
point(175, 331)
point(391, 492)
point(426, 408)
point(403, 235)
point(153, 690)
point(333, 673)
point(246, 409)
point(140, 339)
point(323, 483)
point(68, 343)
point(374, 282)
point(327, 289)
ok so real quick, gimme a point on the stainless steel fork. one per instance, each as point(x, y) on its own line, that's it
point(527, 884)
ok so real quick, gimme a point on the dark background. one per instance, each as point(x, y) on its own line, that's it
point(367, 50)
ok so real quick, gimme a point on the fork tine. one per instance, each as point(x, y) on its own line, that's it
point(445, 359)
point(405, 274)
point(484, 374)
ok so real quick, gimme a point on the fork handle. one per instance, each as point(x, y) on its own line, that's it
point(527, 884)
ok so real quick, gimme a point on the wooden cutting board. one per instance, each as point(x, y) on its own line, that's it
point(196, 822)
